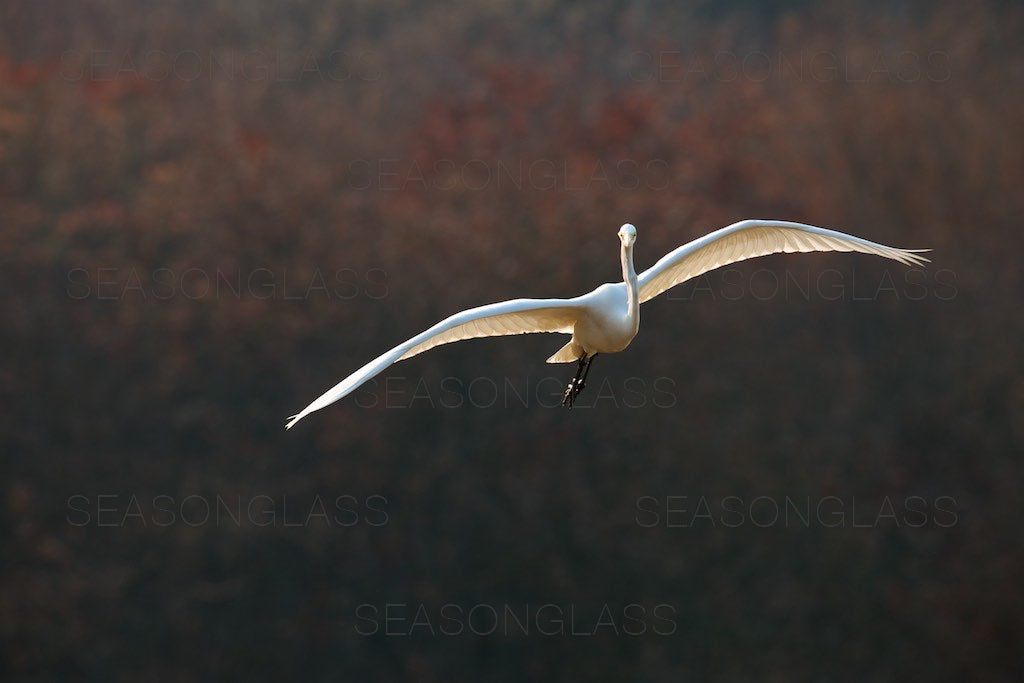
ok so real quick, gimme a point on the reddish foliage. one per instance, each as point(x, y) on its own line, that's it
point(187, 260)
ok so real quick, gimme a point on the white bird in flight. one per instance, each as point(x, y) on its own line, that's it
point(606, 319)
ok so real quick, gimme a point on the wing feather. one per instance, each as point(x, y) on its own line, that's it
point(518, 316)
point(748, 239)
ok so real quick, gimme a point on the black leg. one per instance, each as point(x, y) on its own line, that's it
point(570, 392)
point(578, 382)
point(586, 371)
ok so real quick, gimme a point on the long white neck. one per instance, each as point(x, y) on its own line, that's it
point(629, 277)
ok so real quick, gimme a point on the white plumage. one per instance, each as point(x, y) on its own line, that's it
point(606, 319)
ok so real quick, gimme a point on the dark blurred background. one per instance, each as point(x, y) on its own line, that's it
point(805, 467)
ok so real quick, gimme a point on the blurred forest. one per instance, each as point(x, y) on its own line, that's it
point(805, 467)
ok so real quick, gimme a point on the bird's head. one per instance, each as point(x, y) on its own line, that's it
point(627, 234)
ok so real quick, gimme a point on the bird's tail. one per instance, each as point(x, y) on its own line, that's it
point(570, 353)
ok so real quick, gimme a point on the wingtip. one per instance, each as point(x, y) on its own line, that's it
point(292, 419)
point(914, 255)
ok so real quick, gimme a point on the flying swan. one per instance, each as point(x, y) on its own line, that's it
point(606, 319)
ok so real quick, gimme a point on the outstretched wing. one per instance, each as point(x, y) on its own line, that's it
point(751, 238)
point(518, 316)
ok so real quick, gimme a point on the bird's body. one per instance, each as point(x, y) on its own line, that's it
point(605, 324)
point(606, 319)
